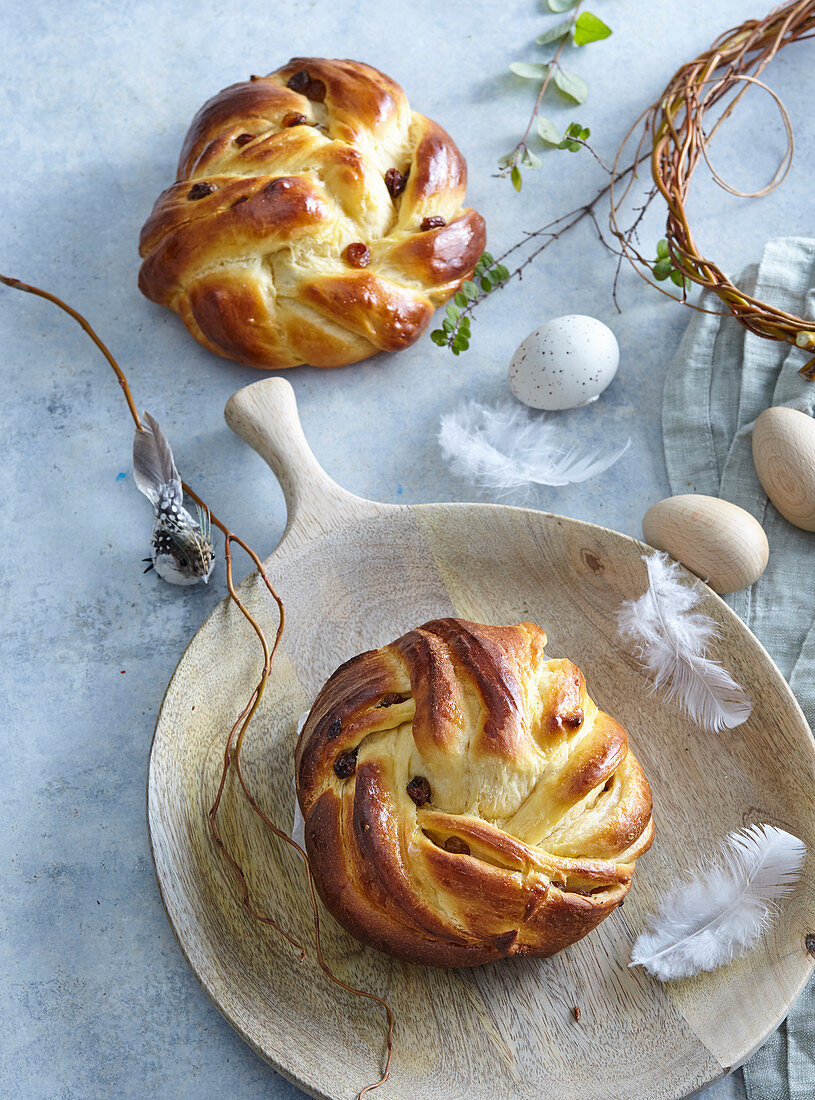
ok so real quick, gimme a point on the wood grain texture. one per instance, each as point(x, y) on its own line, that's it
point(713, 538)
point(354, 575)
point(784, 457)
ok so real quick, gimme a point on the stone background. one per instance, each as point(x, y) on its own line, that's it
point(96, 98)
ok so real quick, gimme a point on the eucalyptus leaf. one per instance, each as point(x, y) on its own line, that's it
point(662, 249)
point(531, 160)
point(547, 131)
point(527, 71)
point(555, 34)
point(589, 28)
point(561, 5)
point(517, 181)
point(574, 87)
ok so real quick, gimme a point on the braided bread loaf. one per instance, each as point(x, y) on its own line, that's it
point(315, 219)
point(464, 799)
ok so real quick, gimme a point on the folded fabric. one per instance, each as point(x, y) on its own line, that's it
point(721, 378)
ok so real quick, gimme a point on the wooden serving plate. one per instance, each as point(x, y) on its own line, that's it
point(355, 575)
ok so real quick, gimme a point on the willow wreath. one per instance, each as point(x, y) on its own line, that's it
point(675, 123)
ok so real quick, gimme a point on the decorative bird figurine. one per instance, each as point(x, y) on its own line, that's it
point(181, 549)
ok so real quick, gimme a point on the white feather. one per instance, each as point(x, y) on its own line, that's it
point(721, 912)
point(672, 641)
point(503, 447)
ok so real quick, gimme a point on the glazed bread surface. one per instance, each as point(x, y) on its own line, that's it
point(464, 799)
point(315, 219)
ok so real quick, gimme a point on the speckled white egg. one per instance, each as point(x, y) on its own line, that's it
point(567, 362)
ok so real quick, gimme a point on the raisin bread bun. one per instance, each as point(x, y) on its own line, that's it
point(464, 799)
point(316, 219)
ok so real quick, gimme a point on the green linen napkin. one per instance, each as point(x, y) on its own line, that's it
point(721, 378)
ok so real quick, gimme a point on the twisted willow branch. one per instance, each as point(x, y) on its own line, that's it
point(234, 742)
point(675, 124)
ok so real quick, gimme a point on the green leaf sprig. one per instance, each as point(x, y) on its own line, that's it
point(665, 267)
point(580, 29)
point(575, 139)
point(455, 328)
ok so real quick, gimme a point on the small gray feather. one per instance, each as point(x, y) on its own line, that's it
point(154, 470)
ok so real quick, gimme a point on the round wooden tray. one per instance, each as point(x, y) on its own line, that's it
point(354, 575)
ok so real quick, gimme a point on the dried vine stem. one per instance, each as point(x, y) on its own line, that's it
point(234, 742)
point(675, 126)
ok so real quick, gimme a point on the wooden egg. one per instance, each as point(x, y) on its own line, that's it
point(716, 540)
point(784, 456)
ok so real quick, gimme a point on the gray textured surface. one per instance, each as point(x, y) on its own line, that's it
point(708, 421)
point(95, 100)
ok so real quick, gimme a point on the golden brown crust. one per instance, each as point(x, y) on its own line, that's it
point(274, 183)
point(465, 799)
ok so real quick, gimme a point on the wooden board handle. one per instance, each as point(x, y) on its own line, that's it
point(264, 414)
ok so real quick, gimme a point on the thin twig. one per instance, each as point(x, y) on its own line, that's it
point(234, 741)
point(552, 231)
point(594, 153)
